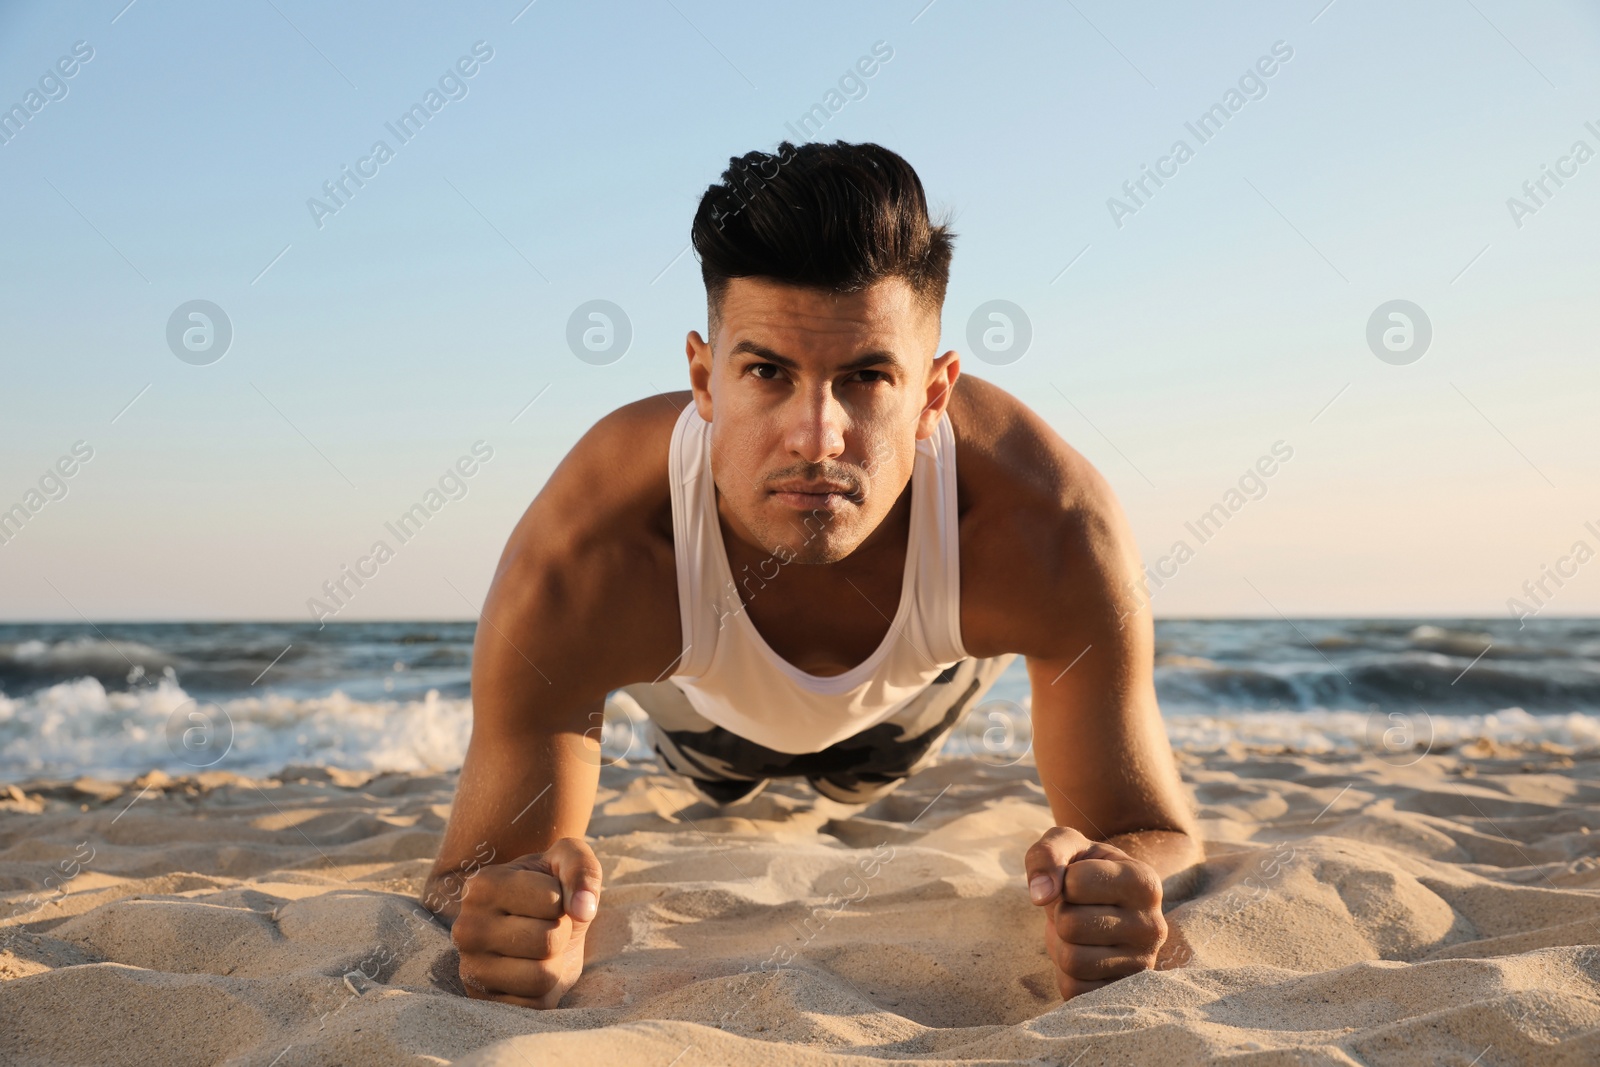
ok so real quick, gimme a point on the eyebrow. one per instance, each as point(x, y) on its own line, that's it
point(875, 358)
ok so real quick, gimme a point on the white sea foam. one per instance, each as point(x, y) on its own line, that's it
point(78, 727)
point(1320, 731)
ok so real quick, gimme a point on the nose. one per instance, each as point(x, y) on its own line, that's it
point(816, 426)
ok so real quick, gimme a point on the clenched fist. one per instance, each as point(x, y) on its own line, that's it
point(1103, 916)
point(521, 926)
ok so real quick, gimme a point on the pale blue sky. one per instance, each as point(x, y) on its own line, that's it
point(1223, 317)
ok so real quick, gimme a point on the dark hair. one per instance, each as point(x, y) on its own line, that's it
point(835, 216)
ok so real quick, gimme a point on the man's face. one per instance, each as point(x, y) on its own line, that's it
point(816, 402)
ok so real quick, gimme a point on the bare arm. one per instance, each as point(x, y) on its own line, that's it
point(578, 607)
point(530, 774)
point(1082, 620)
point(1049, 569)
point(1102, 751)
point(1125, 836)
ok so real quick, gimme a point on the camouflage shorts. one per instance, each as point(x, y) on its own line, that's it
point(722, 768)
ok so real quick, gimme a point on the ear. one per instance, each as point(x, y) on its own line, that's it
point(698, 349)
point(941, 381)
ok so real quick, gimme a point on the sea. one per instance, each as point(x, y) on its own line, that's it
point(119, 699)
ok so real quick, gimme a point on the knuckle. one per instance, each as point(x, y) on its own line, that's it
point(1075, 961)
point(1039, 854)
point(1064, 835)
point(483, 885)
point(545, 907)
point(472, 891)
point(543, 943)
point(1073, 925)
point(572, 844)
point(466, 931)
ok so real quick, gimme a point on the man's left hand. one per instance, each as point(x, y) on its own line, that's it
point(1103, 916)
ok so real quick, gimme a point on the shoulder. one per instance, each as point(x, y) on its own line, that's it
point(611, 486)
point(1047, 555)
point(591, 560)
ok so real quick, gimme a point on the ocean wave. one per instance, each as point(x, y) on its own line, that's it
point(35, 660)
point(1389, 734)
point(1438, 682)
point(80, 727)
point(224, 660)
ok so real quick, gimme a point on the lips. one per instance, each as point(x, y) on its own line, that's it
point(818, 488)
point(813, 494)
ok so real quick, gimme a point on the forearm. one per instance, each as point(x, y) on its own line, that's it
point(1175, 855)
point(513, 799)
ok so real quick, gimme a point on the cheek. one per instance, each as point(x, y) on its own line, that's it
point(742, 454)
point(884, 457)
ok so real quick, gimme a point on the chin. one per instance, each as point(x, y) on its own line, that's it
point(818, 551)
point(827, 544)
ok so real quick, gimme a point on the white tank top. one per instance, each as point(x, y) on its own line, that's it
point(730, 674)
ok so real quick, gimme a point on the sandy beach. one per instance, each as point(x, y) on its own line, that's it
point(837, 388)
point(1353, 911)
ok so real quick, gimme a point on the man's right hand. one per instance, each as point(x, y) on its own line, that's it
point(521, 925)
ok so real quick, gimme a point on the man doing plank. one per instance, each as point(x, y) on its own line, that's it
point(810, 564)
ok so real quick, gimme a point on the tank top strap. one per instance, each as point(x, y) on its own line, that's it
point(939, 568)
point(689, 476)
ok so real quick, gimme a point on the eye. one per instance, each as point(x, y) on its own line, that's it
point(877, 376)
point(758, 368)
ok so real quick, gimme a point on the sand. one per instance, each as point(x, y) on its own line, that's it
point(1352, 911)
